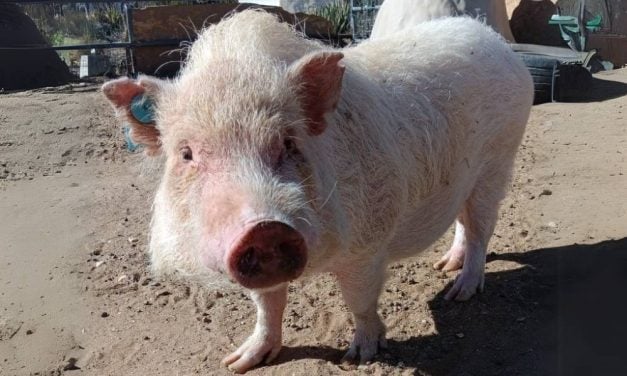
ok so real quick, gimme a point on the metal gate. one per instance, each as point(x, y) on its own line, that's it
point(363, 13)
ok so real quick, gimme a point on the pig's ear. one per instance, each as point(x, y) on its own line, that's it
point(120, 93)
point(318, 77)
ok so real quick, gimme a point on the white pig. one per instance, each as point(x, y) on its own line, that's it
point(285, 158)
point(395, 15)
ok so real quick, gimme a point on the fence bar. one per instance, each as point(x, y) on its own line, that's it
point(151, 43)
point(70, 1)
point(130, 60)
point(366, 8)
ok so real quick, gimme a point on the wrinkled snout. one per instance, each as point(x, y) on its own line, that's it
point(267, 254)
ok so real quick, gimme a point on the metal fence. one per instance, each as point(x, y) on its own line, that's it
point(118, 42)
point(112, 36)
point(363, 13)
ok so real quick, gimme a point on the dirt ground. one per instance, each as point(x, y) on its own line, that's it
point(76, 297)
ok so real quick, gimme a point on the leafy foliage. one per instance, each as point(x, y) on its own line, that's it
point(338, 13)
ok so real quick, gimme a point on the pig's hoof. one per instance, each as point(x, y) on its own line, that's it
point(465, 286)
point(366, 344)
point(452, 260)
point(253, 352)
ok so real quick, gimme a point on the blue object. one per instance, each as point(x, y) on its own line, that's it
point(143, 109)
point(572, 34)
point(130, 145)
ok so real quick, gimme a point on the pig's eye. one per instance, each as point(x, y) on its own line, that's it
point(289, 151)
point(186, 154)
point(289, 146)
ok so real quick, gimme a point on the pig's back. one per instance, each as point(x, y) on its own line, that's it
point(396, 15)
point(446, 61)
point(424, 110)
point(448, 78)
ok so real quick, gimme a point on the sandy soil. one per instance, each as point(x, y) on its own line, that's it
point(76, 297)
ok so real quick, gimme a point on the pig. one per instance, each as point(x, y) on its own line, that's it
point(284, 158)
point(397, 15)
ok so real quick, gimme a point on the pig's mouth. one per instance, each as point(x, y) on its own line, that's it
point(268, 253)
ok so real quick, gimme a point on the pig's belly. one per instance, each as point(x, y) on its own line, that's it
point(426, 223)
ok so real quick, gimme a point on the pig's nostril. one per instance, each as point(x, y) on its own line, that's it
point(248, 264)
point(290, 257)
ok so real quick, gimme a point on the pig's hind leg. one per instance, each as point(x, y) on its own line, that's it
point(361, 283)
point(473, 230)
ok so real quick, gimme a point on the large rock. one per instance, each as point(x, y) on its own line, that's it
point(26, 69)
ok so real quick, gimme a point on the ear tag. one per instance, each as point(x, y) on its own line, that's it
point(130, 145)
point(143, 109)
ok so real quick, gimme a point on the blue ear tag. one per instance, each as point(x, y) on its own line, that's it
point(143, 109)
point(130, 145)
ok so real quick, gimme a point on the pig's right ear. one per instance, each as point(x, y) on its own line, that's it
point(318, 78)
point(121, 93)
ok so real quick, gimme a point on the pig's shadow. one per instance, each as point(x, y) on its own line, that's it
point(564, 312)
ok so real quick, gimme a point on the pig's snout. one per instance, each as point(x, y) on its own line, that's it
point(267, 254)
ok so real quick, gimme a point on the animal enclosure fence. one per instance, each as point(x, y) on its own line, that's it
point(139, 36)
point(363, 13)
point(74, 27)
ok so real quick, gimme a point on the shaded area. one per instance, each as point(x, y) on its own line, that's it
point(581, 87)
point(26, 69)
point(562, 313)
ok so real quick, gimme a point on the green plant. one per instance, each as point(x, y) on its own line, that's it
point(111, 15)
point(43, 15)
point(56, 38)
point(338, 14)
point(110, 23)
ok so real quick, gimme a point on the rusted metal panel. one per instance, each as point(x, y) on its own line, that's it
point(612, 47)
point(182, 22)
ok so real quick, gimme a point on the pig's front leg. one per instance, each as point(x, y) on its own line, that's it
point(265, 342)
point(361, 286)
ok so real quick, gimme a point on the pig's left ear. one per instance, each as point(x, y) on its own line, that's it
point(318, 77)
point(121, 93)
